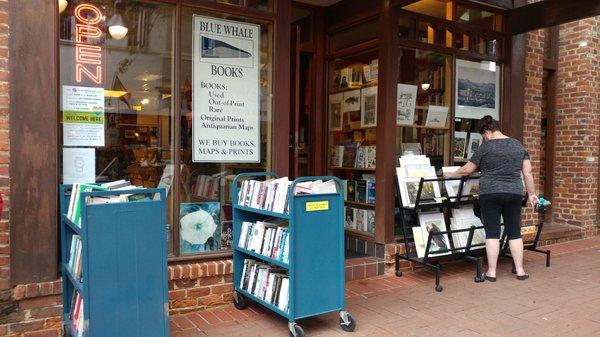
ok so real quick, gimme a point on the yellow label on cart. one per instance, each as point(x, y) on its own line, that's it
point(314, 206)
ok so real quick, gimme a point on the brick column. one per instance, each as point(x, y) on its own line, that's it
point(577, 125)
point(534, 71)
point(4, 154)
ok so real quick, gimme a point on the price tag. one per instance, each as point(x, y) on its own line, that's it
point(314, 206)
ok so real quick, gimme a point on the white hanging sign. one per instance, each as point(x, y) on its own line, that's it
point(226, 110)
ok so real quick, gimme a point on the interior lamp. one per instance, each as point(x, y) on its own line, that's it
point(425, 86)
point(62, 5)
point(116, 27)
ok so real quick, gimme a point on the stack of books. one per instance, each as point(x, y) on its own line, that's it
point(272, 194)
point(362, 190)
point(270, 284)
point(352, 155)
point(77, 314)
point(74, 263)
point(269, 238)
point(359, 219)
point(208, 186)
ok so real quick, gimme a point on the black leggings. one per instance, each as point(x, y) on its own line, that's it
point(506, 204)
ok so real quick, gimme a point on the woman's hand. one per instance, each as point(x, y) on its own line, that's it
point(533, 200)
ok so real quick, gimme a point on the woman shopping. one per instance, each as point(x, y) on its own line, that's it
point(501, 161)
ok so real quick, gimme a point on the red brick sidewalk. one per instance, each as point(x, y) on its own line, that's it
point(563, 299)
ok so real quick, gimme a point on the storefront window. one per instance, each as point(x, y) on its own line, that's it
point(441, 9)
point(226, 106)
point(116, 112)
point(424, 105)
point(352, 130)
point(352, 36)
point(479, 17)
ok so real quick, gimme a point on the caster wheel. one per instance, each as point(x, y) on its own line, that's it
point(398, 273)
point(479, 279)
point(239, 301)
point(439, 288)
point(297, 332)
point(349, 325)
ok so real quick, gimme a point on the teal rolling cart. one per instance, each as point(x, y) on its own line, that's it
point(316, 253)
point(124, 266)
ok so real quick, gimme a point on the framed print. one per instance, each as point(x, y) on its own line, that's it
point(410, 186)
point(335, 112)
point(460, 144)
point(415, 148)
point(368, 116)
point(351, 101)
point(477, 89)
point(435, 223)
point(406, 104)
point(419, 243)
point(437, 116)
point(200, 227)
point(475, 141)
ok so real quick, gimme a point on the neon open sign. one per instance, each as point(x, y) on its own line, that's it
point(88, 58)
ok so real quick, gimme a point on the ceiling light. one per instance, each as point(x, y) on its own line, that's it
point(62, 5)
point(145, 101)
point(116, 27)
point(425, 86)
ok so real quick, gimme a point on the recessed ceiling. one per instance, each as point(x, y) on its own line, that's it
point(323, 3)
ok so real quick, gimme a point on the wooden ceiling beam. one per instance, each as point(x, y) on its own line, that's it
point(550, 13)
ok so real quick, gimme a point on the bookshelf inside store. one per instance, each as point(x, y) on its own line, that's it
point(352, 129)
point(424, 110)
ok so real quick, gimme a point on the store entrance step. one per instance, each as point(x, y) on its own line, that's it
point(359, 268)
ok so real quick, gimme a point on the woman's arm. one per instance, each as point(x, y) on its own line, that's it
point(466, 170)
point(529, 184)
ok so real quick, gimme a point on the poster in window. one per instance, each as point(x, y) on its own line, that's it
point(226, 102)
point(83, 116)
point(199, 227)
point(335, 111)
point(477, 89)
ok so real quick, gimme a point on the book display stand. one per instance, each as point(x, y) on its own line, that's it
point(119, 287)
point(315, 264)
point(455, 251)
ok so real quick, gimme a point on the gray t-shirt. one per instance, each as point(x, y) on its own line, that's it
point(500, 162)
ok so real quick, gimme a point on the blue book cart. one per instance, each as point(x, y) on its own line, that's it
point(316, 253)
point(124, 266)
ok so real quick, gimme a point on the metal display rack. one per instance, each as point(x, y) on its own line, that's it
point(124, 265)
point(316, 253)
point(456, 252)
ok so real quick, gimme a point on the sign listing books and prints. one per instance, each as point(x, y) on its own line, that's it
point(226, 110)
point(83, 116)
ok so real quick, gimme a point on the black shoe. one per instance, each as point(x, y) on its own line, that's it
point(522, 277)
point(489, 278)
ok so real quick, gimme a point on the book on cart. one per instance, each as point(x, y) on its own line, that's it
point(77, 314)
point(74, 262)
point(269, 283)
point(269, 238)
point(273, 194)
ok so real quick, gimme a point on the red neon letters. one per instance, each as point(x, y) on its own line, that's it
point(88, 58)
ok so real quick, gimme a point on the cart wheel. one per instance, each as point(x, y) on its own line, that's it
point(239, 301)
point(479, 279)
point(398, 273)
point(439, 288)
point(65, 331)
point(295, 330)
point(347, 322)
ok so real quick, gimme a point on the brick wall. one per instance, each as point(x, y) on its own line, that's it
point(534, 69)
point(577, 125)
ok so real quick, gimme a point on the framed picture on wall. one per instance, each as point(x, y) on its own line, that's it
point(335, 111)
point(368, 116)
point(477, 89)
point(351, 101)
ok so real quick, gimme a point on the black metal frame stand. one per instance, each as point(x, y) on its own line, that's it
point(457, 253)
